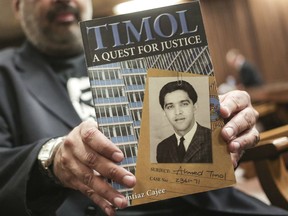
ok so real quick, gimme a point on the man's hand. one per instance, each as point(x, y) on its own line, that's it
point(239, 132)
point(85, 160)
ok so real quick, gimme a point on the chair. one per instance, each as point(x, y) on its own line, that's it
point(269, 159)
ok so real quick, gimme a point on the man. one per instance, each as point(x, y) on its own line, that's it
point(191, 142)
point(248, 74)
point(35, 108)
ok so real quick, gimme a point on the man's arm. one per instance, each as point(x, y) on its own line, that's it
point(83, 162)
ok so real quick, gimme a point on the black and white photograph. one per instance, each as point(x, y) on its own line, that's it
point(180, 120)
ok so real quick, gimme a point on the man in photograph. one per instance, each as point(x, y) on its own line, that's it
point(191, 142)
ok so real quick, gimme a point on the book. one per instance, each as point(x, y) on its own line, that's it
point(133, 61)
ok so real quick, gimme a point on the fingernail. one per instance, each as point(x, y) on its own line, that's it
point(226, 110)
point(129, 180)
point(235, 164)
point(118, 202)
point(229, 131)
point(117, 156)
point(108, 211)
point(236, 146)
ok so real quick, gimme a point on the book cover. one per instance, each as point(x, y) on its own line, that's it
point(155, 97)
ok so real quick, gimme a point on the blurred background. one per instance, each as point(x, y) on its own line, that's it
point(258, 28)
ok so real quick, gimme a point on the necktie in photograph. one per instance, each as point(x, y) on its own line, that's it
point(181, 149)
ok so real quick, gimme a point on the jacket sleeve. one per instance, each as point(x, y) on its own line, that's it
point(23, 188)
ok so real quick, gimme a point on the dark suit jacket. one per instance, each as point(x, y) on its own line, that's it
point(35, 107)
point(199, 150)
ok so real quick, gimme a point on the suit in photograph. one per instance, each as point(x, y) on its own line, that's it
point(199, 150)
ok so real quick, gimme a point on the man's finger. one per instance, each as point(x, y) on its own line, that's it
point(245, 120)
point(245, 141)
point(233, 103)
point(99, 142)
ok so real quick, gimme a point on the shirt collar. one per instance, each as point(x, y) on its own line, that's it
point(188, 137)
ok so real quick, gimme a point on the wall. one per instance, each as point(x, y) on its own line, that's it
point(258, 28)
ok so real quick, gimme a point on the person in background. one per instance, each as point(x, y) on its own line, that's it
point(248, 74)
point(52, 162)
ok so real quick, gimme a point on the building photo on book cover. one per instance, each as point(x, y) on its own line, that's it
point(155, 97)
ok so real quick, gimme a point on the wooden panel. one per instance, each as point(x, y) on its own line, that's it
point(258, 28)
point(270, 19)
